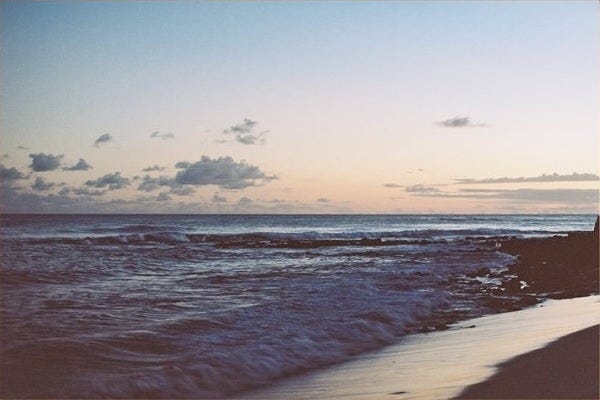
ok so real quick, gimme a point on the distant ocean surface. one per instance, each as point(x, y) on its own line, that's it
point(206, 306)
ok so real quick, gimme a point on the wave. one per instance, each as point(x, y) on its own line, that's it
point(234, 354)
point(304, 240)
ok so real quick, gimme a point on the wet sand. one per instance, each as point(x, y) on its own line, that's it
point(565, 369)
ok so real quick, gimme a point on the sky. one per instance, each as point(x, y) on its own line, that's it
point(299, 107)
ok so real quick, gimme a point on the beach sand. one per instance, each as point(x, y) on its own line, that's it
point(564, 369)
point(442, 364)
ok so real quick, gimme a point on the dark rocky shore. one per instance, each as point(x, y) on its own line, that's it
point(556, 267)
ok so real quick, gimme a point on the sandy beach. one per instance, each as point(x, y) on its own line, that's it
point(441, 364)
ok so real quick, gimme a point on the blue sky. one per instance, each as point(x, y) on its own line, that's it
point(346, 100)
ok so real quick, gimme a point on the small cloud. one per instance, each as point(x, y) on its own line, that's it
point(164, 196)
point(113, 181)
point(41, 185)
point(218, 198)
point(245, 201)
point(223, 172)
point(574, 177)
point(322, 200)
point(460, 122)
point(153, 168)
point(81, 165)
point(103, 139)
point(392, 185)
point(158, 135)
point(245, 134)
point(421, 189)
point(246, 126)
point(87, 192)
point(10, 174)
point(41, 162)
point(182, 191)
point(22, 148)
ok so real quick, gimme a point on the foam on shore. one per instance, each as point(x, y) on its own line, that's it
point(441, 364)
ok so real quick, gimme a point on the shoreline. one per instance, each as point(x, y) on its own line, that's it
point(557, 267)
point(440, 364)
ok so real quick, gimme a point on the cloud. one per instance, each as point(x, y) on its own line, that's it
point(81, 165)
point(223, 172)
point(103, 139)
point(41, 185)
point(460, 122)
point(164, 196)
point(218, 198)
point(153, 168)
point(88, 192)
point(245, 134)
point(149, 183)
point(245, 201)
point(182, 191)
point(322, 200)
point(10, 174)
point(183, 164)
point(5, 156)
point(392, 185)
point(41, 162)
point(552, 195)
point(158, 135)
point(421, 189)
point(574, 177)
point(113, 181)
point(246, 126)
point(566, 196)
point(22, 148)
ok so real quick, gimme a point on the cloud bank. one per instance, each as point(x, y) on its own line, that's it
point(566, 196)
point(574, 177)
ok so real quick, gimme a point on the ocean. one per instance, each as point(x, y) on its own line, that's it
point(207, 306)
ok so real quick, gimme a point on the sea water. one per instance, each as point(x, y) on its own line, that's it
point(209, 306)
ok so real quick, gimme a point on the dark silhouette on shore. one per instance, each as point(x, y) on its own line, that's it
point(560, 267)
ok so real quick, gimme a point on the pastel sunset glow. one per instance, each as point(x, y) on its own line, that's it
point(299, 107)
